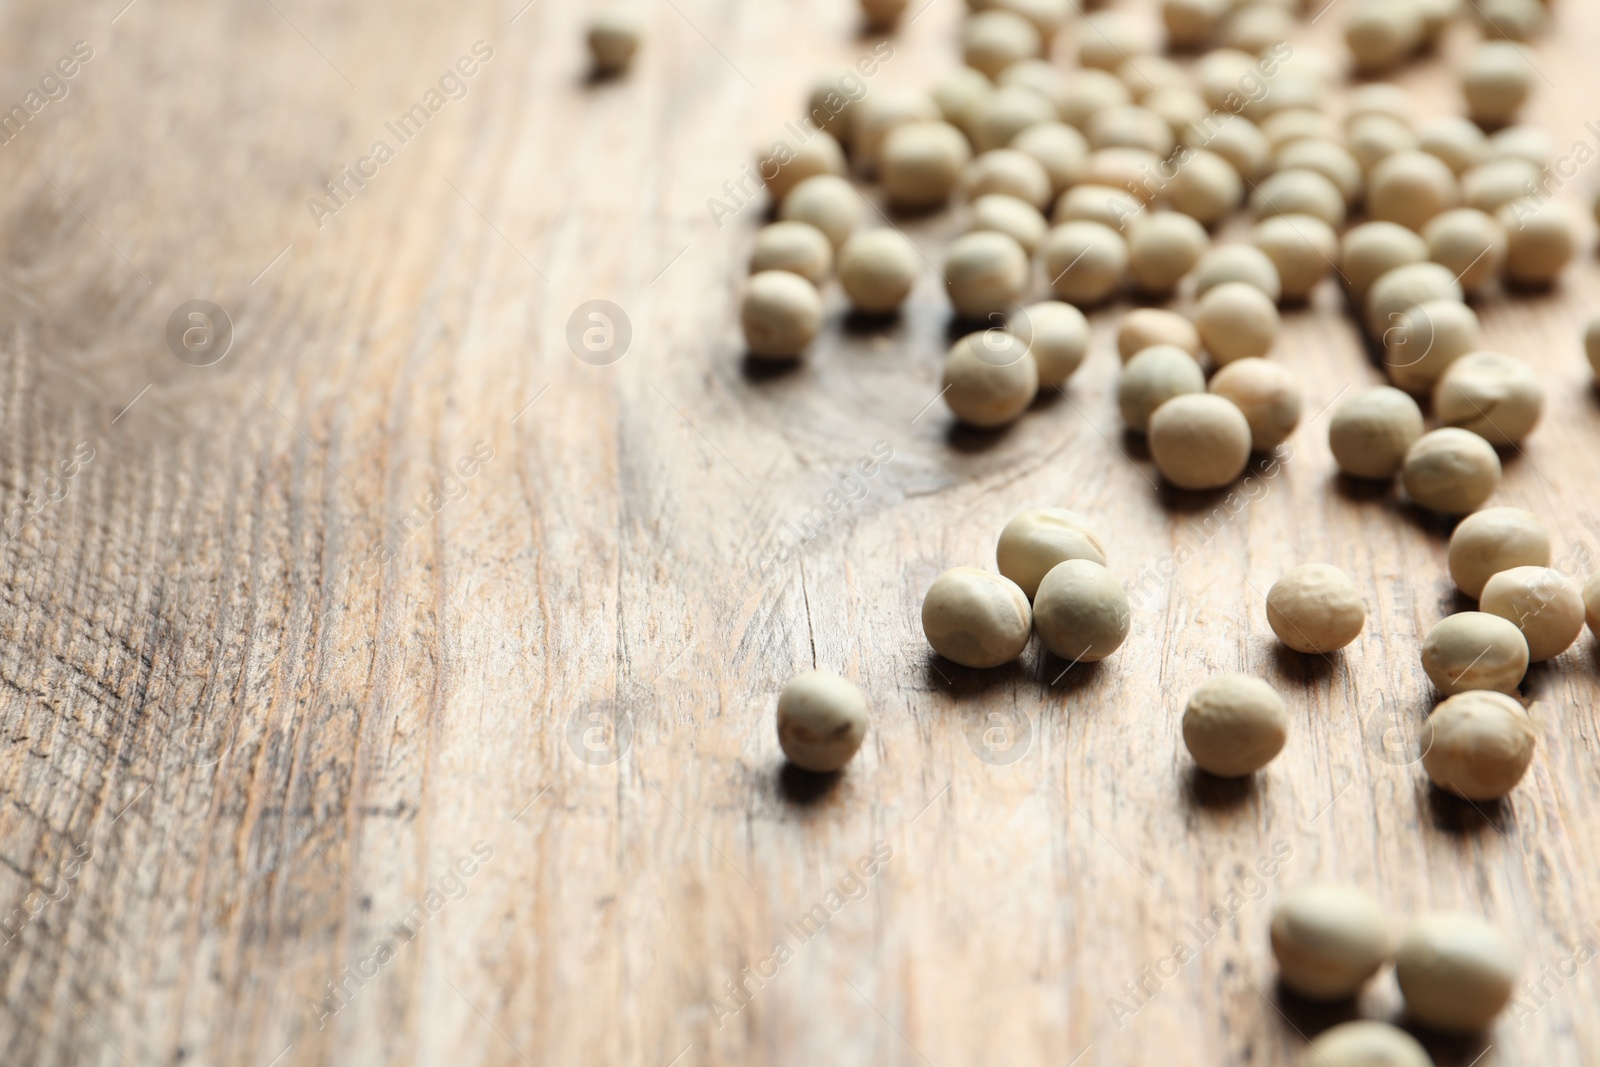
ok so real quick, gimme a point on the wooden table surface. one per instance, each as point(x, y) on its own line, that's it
point(399, 688)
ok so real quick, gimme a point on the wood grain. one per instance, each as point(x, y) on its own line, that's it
point(515, 791)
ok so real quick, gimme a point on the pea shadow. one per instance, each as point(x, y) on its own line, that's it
point(1208, 792)
point(859, 324)
point(807, 789)
point(1136, 445)
point(596, 77)
point(1312, 1017)
point(1066, 677)
point(975, 440)
point(1448, 1050)
point(1304, 668)
point(1463, 818)
point(967, 683)
point(758, 370)
point(1190, 502)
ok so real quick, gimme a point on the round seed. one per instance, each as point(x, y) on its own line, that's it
point(1017, 219)
point(1494, 540)
point(1426, 340)
point(1410, 188)
point(877, 269)
point(822, 720)
point(781, 314)
point(1331, 160)
point(1269, 396)
point(1104, 204)
point(1130, 126)
point(1143, 327)
point(1329, 940)
point(1493, 395)
point(1057, 336)
point(786, 167)
point(1109, 38)
point(1061, 150)
point(959, 94)
point(826, 201)
point(993, 40)
point(1302, 249)
point(1541, 603)
point(1381, 34)
point(1371, 432)
point(1199, 441)
point(1087, 92)
point(1035, 541)
point(976, 618)
point(1365, 1044)
point(1456, 970)
point(1005, 113)
point(877, 114)
point(1455, 140)
point(1298, 191)
point(1474, 650)
point(1238, 140)
point(1010, 172)
point(1373, 138)
point(1080, 611)
point(985, 273)
point(1234, 725)
point(1162, 248)
point(1373, 249)
point(1492, 185)
point(1237, 321)
point(1403, 288)
point(1542, 239)
point(1451, 471)
point(989, 378)
point(1496, 83)
point(794, 247)
point(1478, 745)
point(1468, 242)
point(1206, 188)
point(1315, 608)
point(1085, 262)
point(1153, 377)
point(921, 162)
point(1236, 263)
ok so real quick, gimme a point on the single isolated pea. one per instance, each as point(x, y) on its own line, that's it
point(1542, 238)
point(1365, 1043)
point(1060, 149)
point(1234, 725)
point(1008, 171)
point(1199, 441)
point(1426, 339)
point(781, 314)
point(1034, 541)
point(1330, 940)
point(1163, 247)
point(1085, 261)
point(1237, 263)
point(1451, 471)
point(614, 36)
point(921, 162)
point(1207, 188)
point(1373, 249)
point(1496, 83)
point(822, 720)
point(1237, 321)
point(1302, 249)
point(1080, 611)
point(1478, 745)
point(1494, 540)
point(877, 269)
point(1541, 603)
point(1315, 608)
point(1411, 188)
point(1457, 971)
point(1371, 432)
point(1268, 393)
point(782, 171)
point(1017, 219)
point(826, 201)
point(1057, 336)
point(1496, 396)
point(1469, 242)
point(795, 247)
point(976, 618)
point(993, 40)
point(1152, 378)
point(989, 378)
point(1474, 650)
point(985, 273)
point(1143, 327)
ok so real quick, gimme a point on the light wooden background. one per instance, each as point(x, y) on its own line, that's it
point(235, 755)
